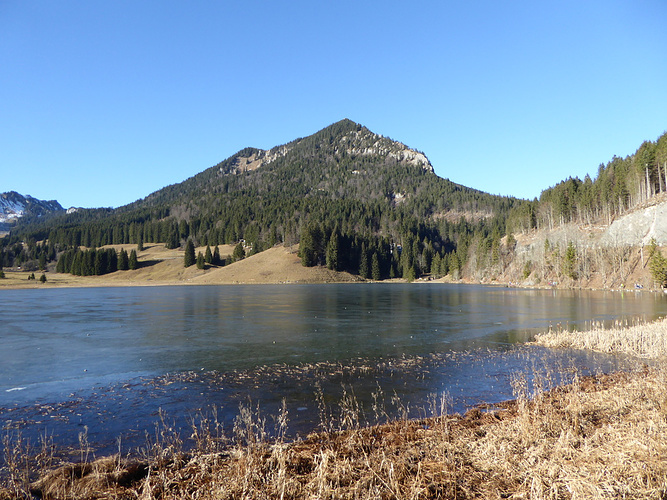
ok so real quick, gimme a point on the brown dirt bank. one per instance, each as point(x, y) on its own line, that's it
point(601, 437)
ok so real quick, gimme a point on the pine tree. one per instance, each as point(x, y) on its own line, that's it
point(410, 274)
point(444, 266)
point(132, 261)
point(189, 258)
point(310, 244)
point(435, 265)
point(173, 239)
point(77, 260)
point(216, 256)
point(332, 252)
point(201, 262)
point(569, 263)
point(42, 278)
point(455, 265)
point(100, 263)
point(658, 266)
point(112, 261)
point(123, 261)
point(239, 252)
point(364, 269)
point(208, 258)
point(375, 267)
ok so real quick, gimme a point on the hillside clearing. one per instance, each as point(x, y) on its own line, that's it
point(161, 266)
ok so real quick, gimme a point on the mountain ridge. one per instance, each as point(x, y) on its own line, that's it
point(342, 142)
point(14, 206)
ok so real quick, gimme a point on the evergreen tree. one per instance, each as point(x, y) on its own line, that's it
point(435, 265)
point(569, 262)
point(364, 268)
point(208, 257)
point(216, 256)
point(172, 239)
point(410, 273)
point(77, 263)
point(112, 261)
point(658, 266)
point(100, 263)
point(239, 252)
point(310, 244)
point(444, 265)
point(132, 261)
point(455, 265)
point(273, 236)
point(201, 262)
point(123, 260)
point(189, 258)
point(375, 267)
point(42, 278)
point(332, 252)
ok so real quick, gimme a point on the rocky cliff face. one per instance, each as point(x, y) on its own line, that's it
point(356, 143)
point(639, 227)
point(606, 256)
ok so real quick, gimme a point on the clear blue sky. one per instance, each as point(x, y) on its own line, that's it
point(104, 102)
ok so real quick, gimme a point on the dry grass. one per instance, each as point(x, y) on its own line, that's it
point(162, 266)
point(646, 340)
point(599, 437)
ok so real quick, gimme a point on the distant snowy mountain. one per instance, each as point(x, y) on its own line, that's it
point(14, 206)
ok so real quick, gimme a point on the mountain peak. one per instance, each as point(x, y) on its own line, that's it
point(14, 206)
point(344, 138)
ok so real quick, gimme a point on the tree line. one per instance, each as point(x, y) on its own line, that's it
point(620, 185)
point(96, 262)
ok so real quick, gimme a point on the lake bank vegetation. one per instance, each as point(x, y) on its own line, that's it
point(601, 436)
point(644, 340)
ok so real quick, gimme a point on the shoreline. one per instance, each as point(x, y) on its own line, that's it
point(159, 266)
point(598, 436)
point(569, 439)
point(70, 281)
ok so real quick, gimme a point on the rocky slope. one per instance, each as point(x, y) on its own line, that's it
point(14, 206)
point(612, 255)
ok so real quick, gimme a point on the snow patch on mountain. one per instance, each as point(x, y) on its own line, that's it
point(13, 206)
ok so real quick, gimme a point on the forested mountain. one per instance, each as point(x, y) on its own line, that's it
point(356, 200)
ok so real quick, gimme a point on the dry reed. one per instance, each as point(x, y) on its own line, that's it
point(646, 340)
